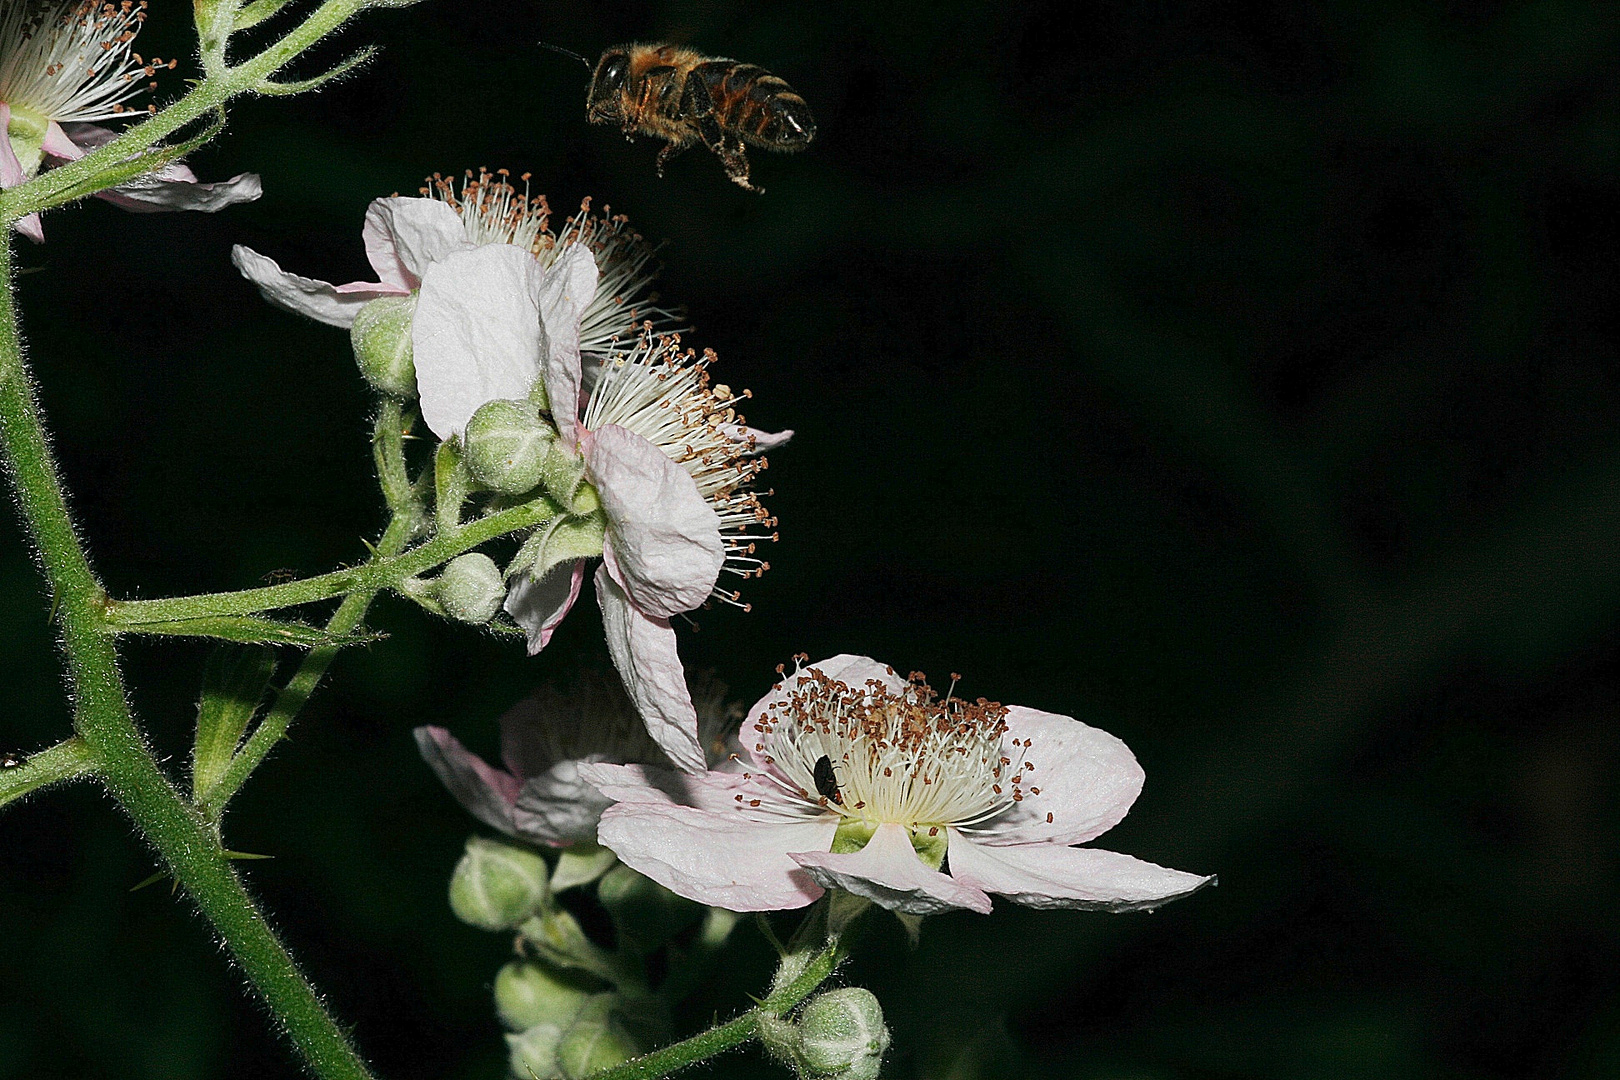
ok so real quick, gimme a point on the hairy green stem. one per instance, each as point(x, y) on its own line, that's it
point(733, 1033)
point(95, 171)
point(373, 576)
point(64, 761)
point(125, 763)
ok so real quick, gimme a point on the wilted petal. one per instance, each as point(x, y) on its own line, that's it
point(643, 649)
point(486, 793)
point(853, 671)
point(1054, 876)
point(403, 236)
point(569, 289)
point(664, 543)
point(758, 441)
point(706, 857)
point(1088, 781)
point(558, 807)
point(888, 872)
point(175, 188)
point(476, 332)
point(540, 606)
point(304, 296)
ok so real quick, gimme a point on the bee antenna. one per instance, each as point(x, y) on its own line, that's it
point(565, 52)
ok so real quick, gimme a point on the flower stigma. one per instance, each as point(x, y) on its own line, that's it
point(663, 393)
point(898, 756)
point(494, 211)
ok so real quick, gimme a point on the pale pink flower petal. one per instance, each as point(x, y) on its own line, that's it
point(558, 807)
point(11, 170)
point(570, 287)
point(58, 145)
point(1054, 876)
point(487, 793)
point(305, 296)
point(1088, 780)
point(854, 671)
point(403, 236)
point(759, 442)
point(712, 859)
point(476, 333)
point(663, 545)
point(643, 649)
point(539, 606)
point(714, 791)
point(173, 187)
point(888, 872)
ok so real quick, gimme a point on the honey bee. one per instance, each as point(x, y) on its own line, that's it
point(682, 97)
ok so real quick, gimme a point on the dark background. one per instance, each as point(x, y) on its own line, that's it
point(1240, 378)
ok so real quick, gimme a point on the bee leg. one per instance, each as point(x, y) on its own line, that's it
point(668, 154)
point(733, 157)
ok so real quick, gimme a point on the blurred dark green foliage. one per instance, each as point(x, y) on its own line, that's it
point(1241, 378)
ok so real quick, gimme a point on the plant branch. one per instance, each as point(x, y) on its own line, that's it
point(733, 1033)
point(64, 761)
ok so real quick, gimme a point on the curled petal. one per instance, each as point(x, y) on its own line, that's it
point(305, 296)
point(643, 649)
point(175, 187)
point(664, 543)
point(569, 289)
point(759, 442)
point(888, 872)
point(487, 793)
point(854, 671)
point(476, 333)
point(1088, 781)
point(1055, 876)
point(403, 236)
point(705, 857)
point(558, 807)
point(540, 606)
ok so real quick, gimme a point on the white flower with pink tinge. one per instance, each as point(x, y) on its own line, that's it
point(65, 64)
point(869, 783)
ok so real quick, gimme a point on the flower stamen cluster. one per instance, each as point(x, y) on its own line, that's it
point(72, 61)
point(904, 756)
point(664, 394)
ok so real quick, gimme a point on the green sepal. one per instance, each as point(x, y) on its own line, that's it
point(247, 629)
point(27, 131)
point(234, 684)
point(581, 865)
point(563, 540)
point(644, 912)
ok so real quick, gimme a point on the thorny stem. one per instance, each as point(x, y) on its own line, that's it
point(733, 1033)
point(123, 761)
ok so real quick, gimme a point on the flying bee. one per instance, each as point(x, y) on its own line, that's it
point(682, 97)
point(827, 780)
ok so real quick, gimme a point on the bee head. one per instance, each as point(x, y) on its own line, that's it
point(602, 100)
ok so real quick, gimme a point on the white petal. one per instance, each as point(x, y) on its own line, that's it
point(558, 807)
point(319, 300)
point(664, 543)
point(476, 333)
point(570, 287)
point(539, 606)
point(888, 872)
point(643, 649)
point(487, 793)
point(854, 671)
point(758, 441)
point(170, 189)
point(1054, 876)
point(403, 236)
point(712, 858)
point(714, 791)
point(1088, 781)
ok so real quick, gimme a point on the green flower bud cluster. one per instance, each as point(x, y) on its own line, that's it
point(470, 588)
point(497, 886)
point(839, 1035)
point(561, 1028)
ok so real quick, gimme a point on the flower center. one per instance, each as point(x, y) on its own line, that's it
point(494, 211)
point(71, 61)
point(876, 755)
point(663, 393)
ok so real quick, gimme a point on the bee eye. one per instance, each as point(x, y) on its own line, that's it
point(611, 74)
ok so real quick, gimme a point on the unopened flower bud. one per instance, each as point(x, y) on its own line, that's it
point(496, 886)
point(507, 443)
point(595, 1040)
point(532, 1054)
point(381, 336)
point(529, 993)
point(470, 588)
point(842, 1036)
